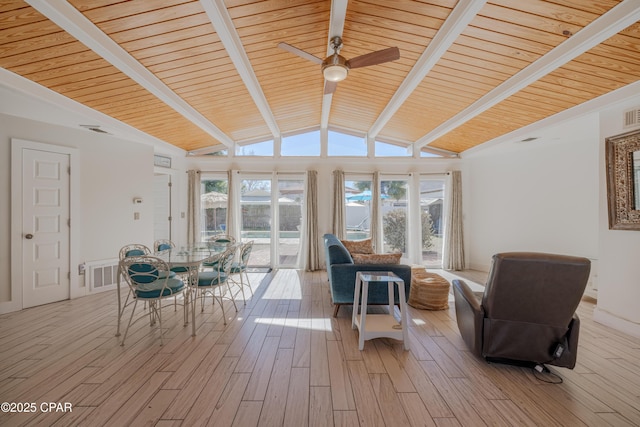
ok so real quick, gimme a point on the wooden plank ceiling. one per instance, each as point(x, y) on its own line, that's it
point(195, 82)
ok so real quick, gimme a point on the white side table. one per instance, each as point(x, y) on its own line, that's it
point(379, 325)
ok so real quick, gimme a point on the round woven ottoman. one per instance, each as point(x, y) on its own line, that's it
point(429, 291)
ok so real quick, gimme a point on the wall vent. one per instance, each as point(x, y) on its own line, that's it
point(632, 117)
point(95, 128)
point(102, 275)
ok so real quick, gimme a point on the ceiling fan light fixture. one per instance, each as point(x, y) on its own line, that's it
point(335, 73)
point(334, 68)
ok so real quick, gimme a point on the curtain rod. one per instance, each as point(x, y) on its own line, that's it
point(256, 172)
point(346, 172)
point(394, 173)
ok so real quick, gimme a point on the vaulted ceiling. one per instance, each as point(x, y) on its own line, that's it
point(200, 74)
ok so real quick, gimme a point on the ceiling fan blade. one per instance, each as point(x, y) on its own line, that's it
point(374, 58)
point(329, 87)
point(301, 53)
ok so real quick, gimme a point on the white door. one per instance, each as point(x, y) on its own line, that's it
point(162, 207)
point(45, 227)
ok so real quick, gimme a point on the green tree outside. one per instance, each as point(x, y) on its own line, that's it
point(394, 224)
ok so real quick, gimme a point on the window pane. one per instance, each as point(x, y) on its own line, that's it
point(220, 153)
point(340, 144)
point(304, 144)
point(264, 148)
point(358, 209)
point(394, 215)
point(431, 202)
point(255, 202)
point(214, 207)
point(428, 154)
point(290, 198)
point(384, 149)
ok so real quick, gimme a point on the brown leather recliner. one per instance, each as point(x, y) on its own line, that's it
point(526, 315)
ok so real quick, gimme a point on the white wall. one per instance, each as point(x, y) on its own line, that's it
point(534, 196)
point(619, 275)
point(112, 172)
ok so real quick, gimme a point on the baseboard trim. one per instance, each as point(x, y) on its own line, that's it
point(10, 307)
point(617, 323)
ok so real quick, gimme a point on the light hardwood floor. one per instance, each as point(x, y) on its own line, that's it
point(283, 360)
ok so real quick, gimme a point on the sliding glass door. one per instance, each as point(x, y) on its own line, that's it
point(214, 205)
point(271, 215)
point(394, 212)
point(357, 190)
point(256, 218)
point(432, 220)
point(290, 203)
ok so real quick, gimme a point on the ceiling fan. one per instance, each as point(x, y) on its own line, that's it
point(335, 67)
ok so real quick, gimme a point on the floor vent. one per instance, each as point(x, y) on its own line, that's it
point(102, 275)
point(632, 117)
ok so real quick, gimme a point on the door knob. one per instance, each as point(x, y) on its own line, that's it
point(28, 236)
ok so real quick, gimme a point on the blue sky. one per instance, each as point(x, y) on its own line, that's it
point(308, 144)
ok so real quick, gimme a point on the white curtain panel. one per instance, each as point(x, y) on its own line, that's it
point(193, 207)
point(453, 258)
point(376, 238)
point(231, 209)
point(339, 209)
point(312, 261)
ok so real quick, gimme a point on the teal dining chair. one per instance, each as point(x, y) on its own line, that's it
point(238, 269)
point(165, 245)
point(149, 281)
point(215, 283)
point(133, 249)
point(217, 241)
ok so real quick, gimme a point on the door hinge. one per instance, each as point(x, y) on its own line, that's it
point(170, 218)
point(169, 184)
point(69, 170)
point(69, 275)
point(69, 222)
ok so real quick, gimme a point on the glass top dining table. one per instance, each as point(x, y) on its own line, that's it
point(191, 258)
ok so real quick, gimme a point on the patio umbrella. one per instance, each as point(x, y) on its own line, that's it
point(213, 200)
point(364, 196)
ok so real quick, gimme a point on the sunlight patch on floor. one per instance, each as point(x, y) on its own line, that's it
point(314, 324)
point(285, 284)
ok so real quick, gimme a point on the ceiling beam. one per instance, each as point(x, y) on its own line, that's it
point(607, 25)
point(453, 26)
point(75, 23)
point(222, 23)
point(336, 28)
point(336, 24)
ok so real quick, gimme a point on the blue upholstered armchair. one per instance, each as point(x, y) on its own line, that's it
point(342, 275)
